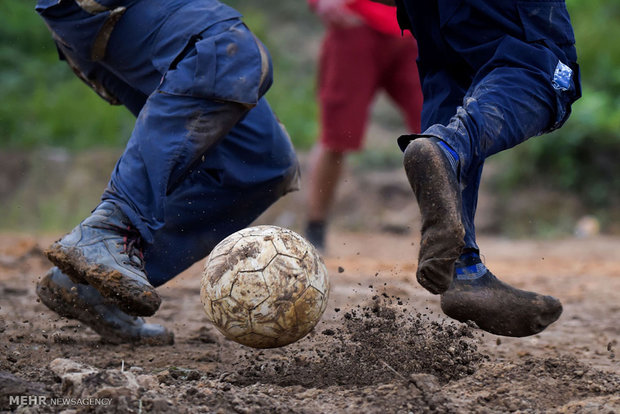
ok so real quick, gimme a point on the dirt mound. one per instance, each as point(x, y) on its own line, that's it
point(551, 382)
point(373, 344)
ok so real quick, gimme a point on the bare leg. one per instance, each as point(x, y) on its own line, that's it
point(325, 171)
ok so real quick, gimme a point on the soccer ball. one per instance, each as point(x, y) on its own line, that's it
point(264, 287)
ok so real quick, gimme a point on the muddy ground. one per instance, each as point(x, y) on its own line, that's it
point(381, 347)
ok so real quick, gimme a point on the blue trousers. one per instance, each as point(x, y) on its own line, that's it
point(493, 73)
point(207, 155)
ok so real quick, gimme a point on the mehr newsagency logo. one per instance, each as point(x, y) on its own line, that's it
point(37, 400)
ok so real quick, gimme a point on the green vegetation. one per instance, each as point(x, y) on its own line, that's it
point(43, 103)
point(286, 34)
point(582, 157)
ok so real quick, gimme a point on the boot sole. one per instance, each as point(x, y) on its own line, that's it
point(128, 295)
point(68, 305)
point(439, 199)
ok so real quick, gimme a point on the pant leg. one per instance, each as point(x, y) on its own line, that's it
point(505, 107)
point(100, 79)
point(520, 63)
point(194, 107)
point(73, 46)
point(252, 167)
point(198, 165)
point(205, 88)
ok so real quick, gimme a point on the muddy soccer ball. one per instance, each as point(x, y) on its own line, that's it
point(264, 287)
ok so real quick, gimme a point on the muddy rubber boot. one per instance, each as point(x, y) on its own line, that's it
point(496, 307)
point(85, 304)
point(104, 251)
point(436, 188)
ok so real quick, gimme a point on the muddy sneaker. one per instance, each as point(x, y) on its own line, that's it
point(496, 307)
point(104, 252)
point(434, 183)
point(84, 303)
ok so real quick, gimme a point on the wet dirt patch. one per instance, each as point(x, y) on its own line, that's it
point(376, 350)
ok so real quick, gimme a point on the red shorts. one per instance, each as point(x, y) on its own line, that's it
point(355, 63)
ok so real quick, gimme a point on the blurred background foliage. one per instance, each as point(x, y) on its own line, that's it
point(584, 155)
point(582, 159)
point(41, 101)
point(42, 104)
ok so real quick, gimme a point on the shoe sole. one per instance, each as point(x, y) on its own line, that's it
point(68, 305)
point(439, 199)
point(131, 297)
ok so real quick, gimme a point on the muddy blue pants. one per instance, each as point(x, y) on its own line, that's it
point(494, 73)
point(207, 155)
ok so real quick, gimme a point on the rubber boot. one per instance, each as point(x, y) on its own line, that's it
point(435, 185)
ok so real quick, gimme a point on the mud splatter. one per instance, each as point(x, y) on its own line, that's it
point(374, 344)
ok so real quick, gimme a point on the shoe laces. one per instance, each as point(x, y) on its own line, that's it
point(132, 243)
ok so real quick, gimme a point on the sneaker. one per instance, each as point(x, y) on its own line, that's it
point(85, 304)
point(435, 185)
point(104, 251)
point(496, 307)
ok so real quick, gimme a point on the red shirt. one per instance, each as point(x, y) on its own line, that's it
point(378, 16)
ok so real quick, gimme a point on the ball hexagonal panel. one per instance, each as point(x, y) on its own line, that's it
point(230, 317)
point(317, 273)
point(253, 253)
point(275, 319)
point(220, 281)
point(250, 289)
point(310, 306)
point(285, 278)
point(291, 244)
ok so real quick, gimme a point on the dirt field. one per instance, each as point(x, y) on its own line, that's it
point(382, 346)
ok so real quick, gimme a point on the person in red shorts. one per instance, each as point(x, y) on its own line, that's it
point(364, 51)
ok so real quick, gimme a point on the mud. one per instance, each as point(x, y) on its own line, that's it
point(129, 294)
point(499, 308)
point(442, 230)
point(383, 345)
